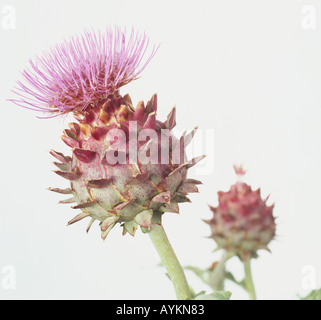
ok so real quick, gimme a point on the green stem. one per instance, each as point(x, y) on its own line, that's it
point(248, 280)
point(169, 259)
point(217, 277)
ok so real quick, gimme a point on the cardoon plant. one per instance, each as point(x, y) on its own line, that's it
point(125, 166)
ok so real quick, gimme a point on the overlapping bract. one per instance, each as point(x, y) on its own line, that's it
point(242, 223)
point(127, 193)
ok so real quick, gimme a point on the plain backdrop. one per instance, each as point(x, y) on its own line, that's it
point(248, 72)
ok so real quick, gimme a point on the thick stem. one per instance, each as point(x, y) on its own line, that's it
point(169, 259)
point(248, 279)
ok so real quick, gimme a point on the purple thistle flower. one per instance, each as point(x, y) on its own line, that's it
point(78, 73)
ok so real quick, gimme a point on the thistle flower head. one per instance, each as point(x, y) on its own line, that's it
point(242, 223)
point(74, 75)
point(118, 171)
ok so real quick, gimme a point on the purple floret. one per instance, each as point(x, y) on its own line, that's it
point(82, 71)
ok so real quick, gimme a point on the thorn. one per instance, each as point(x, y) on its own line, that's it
point(78, 217)
point(179, 168)
point(195, 160)
point(67, 175)
point(124, 230)
point(193, 181)
point(170, 123)
point(127, 99)
point(207, 221)
point(60, 156)
point(144, 149)
point(213, 209)
point(164, 197)
point(84, 205)
point(139, 112)
point(188, 138)
point(123, 205)
point(105, 233)
point(187, 188)
point(151, 121)
point(108, 222)
point(152, 104)
point(71, 134)
point(171, 207)
point(90, 224)
point(136, 167)
point(62, 191)
point(70, 200)
point(70, 142)
point(179, 198)
point(63, 166)
point(75, 128)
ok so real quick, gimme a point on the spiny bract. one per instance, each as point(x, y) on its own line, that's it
point(126, 166)
point(242, 223)
point(111, 190)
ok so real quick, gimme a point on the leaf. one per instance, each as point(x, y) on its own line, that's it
point(313, 295)
point(229, 276)
point(216, 276)
point(199, 272)
point(218, 295)
point(194, 295)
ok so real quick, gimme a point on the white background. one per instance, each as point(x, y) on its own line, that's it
point(249, 70)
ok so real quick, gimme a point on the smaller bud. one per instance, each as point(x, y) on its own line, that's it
point(242, 223)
